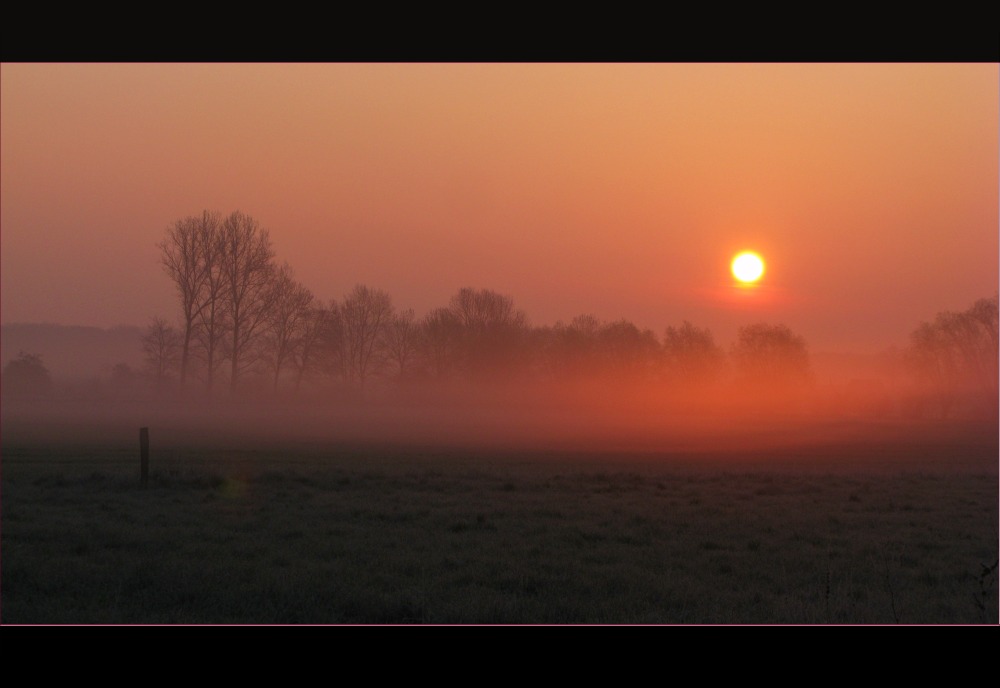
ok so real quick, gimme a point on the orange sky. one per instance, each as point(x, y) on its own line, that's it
point(622, 190)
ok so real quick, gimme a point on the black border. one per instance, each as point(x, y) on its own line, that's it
point(654, 33)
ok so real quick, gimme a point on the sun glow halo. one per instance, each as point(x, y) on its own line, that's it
point(747, 267)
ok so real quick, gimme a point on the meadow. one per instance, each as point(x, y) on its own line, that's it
point(903, 529)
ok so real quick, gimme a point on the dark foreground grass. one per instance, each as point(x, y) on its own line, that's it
point(381, 536)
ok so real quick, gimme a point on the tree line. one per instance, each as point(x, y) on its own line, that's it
point(243, 317)
point(244, 320)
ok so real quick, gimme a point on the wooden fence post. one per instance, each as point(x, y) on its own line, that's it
point(143, 456)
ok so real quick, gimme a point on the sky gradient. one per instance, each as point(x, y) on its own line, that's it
point(622, 190)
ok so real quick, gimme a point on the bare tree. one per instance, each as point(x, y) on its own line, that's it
point(441, 340)
point(161, 347)
point(568, 352)
point(287, 320)
point(986, 313)
point(316, 342)
point(973, 334)
point(493, 330)
point(485, 309)
point(401, 341)
point(586, 325)
point(247, 267)
point(627, 351)
point(771, 354)
point(933, 362)
point(212, 319)
point(182, 254)
point(364, 315)
point(957, 354)
point(691, 354)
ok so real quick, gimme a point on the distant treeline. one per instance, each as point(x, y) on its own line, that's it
point(244, 321)
point(245, 325)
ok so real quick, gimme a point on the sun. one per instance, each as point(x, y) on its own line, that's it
point(748, 267)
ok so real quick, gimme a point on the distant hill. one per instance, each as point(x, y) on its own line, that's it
point(73, 352)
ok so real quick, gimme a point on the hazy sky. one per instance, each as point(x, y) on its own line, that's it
point(621, 190)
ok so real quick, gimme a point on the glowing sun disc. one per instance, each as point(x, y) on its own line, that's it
point(747, 267)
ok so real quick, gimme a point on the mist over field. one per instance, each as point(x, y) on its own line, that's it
point(502, 472)
point(596, 419)
point(502, 383)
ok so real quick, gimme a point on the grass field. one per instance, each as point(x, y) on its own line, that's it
point(882, 532)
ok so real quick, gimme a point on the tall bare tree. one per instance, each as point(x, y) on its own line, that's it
point(441, 341)
point(401, 341)
point(364, 315)
point(182, 254)
point(212, 319)
point(287, 320)
point(493, 330)
point(317, 341)
point(247, 269)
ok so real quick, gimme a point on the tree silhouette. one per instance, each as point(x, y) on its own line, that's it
point(492, 330)
point(287, 321)
point(212, 317)
point(770, 354)
point(364, 315)
point(572, 350)
point(441, 341)
point(401, 341)
point(316, 341)
point(26, 377)
point(691, 354)
point(183, 254)
point(627, 351)
point(957, 354)
point(247, 273)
